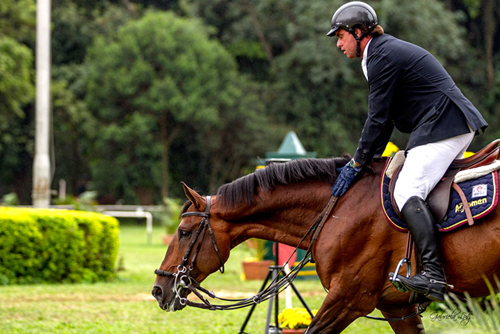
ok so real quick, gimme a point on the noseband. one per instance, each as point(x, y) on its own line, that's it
point(182, 270)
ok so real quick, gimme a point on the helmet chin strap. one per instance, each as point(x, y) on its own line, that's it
point(358, 41)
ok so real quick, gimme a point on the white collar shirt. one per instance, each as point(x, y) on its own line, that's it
point(365, 56)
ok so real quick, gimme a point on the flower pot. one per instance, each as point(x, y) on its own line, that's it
point(256, 270)
point(292, 331)
point(252, 243)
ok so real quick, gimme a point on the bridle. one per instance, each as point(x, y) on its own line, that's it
point(183, 273)
point(204, 225)
point(184, 280)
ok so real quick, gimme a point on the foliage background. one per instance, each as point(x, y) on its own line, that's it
point(134, 127)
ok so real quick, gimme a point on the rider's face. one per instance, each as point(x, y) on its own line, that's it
point(346, 42)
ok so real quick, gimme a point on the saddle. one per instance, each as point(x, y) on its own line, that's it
point(439, 198)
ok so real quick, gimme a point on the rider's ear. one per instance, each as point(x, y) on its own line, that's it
point(198, 201)
point(358, 32)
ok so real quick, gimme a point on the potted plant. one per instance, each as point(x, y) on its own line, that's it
point(171, 218)
point(294, 320)
point(255, 267)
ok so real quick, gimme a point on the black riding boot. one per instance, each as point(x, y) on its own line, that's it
point(431, 282)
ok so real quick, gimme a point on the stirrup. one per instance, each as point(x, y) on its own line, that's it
point(393, 276)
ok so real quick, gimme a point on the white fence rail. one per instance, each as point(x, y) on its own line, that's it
point(139, 213)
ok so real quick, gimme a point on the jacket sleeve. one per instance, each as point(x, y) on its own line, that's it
point(383, 74)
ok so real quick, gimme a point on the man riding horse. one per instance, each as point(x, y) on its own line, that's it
point(409, 90)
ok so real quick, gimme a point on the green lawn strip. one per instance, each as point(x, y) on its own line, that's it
point(126, 305)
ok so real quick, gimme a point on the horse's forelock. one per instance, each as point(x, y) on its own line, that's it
point(186, 205)
point(244, 190)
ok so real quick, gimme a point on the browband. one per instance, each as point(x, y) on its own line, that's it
point(200, 214)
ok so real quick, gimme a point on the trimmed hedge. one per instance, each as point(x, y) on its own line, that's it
point(49, 246)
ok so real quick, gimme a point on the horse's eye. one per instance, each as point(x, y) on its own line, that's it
point(184, 234)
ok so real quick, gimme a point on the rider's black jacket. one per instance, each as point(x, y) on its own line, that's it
point(410, 89)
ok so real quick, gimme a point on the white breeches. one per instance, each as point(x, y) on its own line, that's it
point(425, 165)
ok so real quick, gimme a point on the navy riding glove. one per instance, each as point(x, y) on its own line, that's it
point(346, 177)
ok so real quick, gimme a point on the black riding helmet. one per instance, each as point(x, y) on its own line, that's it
point(354, 14)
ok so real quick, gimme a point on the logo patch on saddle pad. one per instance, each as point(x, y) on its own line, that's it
point(481, 190)
point(481, 193)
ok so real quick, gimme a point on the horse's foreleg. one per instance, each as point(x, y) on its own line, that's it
point(409, 326)
point(395, 305)
point(338, 311)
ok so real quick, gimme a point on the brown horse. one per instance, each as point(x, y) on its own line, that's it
point(354, 253)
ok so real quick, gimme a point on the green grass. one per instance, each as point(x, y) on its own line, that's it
point(126, 305)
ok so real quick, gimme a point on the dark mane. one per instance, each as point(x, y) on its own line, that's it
point(244, 189)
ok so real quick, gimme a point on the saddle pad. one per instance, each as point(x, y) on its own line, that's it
point(481, 193)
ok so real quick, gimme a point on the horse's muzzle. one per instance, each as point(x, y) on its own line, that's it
point(157, 293)
point(167, 302)
point(160, 297)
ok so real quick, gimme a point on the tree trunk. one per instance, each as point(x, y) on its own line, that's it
point(258, 30)
point(214, 170)
point(222, 171)
point(489, 36)
point(168, 134)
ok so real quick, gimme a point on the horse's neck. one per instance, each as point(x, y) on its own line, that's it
point(283, 215)
point(286, 214)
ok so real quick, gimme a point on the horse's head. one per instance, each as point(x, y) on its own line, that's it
point(194, 253)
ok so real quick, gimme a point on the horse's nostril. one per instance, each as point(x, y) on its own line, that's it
point(157, 292)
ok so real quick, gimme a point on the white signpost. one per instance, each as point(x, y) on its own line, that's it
point(41, 164)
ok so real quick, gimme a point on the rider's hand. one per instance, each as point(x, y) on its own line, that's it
point(346, 177)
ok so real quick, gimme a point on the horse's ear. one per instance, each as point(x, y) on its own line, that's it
point(198, 201)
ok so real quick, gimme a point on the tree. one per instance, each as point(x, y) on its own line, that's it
point(481, 20)
point(160, 74)
point(313, 87)
point(244, 133)
point(75, 26)
point(17, 26)
point(16, 80)
point(16, 59)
